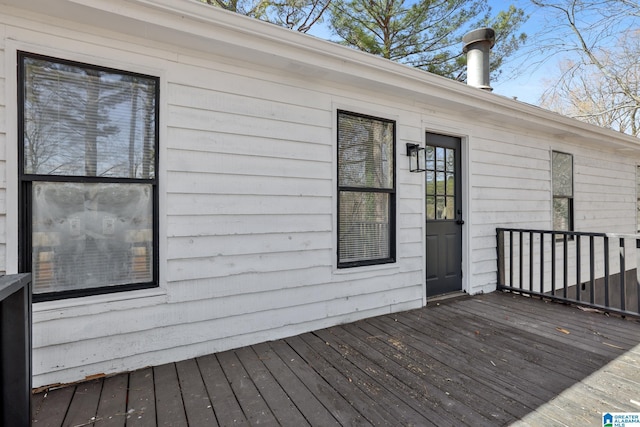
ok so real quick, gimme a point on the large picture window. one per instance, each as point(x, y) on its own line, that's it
point(88, 144)
point(562, 180)
point(366, 190)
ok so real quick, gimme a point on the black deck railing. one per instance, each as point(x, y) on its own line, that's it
point(599, 270)
point(15, 350)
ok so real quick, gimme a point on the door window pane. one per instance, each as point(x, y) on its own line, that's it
point(440, 183)
point(431, 207)
point(440, 158)
point(431, 157)
point(431, 183)
point(450, 160)
point(449, 208)
point(451, 184)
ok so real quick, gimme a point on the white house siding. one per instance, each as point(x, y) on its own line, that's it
point(3, 160)
point(247, 176)
point(248, 181)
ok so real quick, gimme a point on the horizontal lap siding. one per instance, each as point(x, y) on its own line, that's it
point(251, 163)
point(3, 175)
point(605, 198)
point(247, 216)
point(510, 187)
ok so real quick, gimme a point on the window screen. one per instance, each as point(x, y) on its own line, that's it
point(366, 187)
point(88, 150)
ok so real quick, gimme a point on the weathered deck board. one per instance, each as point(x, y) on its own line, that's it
point(225, 405)
point(302, 397)
point(141, 408)
point(283, 409)
point(491, 360)
point(169, 405)
point(112, 408)
point(197, 404)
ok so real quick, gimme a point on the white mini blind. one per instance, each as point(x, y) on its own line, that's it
point(81, 121)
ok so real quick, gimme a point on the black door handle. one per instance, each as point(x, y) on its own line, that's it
point(460, 221)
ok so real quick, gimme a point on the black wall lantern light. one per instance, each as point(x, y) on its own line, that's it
point(417, 158)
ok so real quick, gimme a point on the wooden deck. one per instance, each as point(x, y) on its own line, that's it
point(487, 360)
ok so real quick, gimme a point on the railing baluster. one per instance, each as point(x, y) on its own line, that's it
point(578, 268)
point(554, 243)
point(565, 271)
point(596, 277)
point(520, 277)
point(592, 269)
point(500, 248)
point(511, 258)
point(531, 261)
point(541, 262)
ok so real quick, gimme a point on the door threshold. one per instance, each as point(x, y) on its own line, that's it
point(437, 299)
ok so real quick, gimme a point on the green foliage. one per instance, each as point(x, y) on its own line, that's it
point(426, 34)
point(299, 15)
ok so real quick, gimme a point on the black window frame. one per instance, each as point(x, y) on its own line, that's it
point(25, 181)
point(638, 198)
point(390, 191)
point(571, 225)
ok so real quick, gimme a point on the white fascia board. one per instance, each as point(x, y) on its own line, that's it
point(195, 26)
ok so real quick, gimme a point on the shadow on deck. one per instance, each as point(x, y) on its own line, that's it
point(486, 360)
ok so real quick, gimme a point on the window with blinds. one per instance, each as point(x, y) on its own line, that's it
point(88, 159)
point(366, 190)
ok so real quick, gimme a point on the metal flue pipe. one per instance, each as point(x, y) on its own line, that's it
point(477, 44)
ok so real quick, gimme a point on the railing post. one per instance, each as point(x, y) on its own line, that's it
point(623, 274)
point(15, 350)
point(565, 266)
point(500, 248)
point(578, 268)
point(541, 262)
point(606, 271)
point(592, 270)
point(553, 263)
point(637, 275)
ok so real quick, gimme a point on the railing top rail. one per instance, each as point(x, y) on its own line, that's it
point(561, 233)
point(623, 236)
point(12, 283)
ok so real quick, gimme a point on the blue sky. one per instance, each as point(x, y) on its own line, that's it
point(526, 83)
